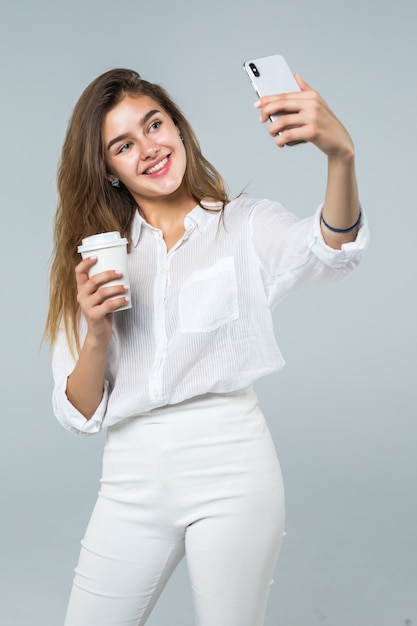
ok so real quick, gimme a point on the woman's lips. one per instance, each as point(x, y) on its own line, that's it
point(158, 167)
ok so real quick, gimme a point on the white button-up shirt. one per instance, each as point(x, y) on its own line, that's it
point(201, 313)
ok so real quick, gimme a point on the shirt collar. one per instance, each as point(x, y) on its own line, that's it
point(202, 216)
point(196, 217)
point(136, 227)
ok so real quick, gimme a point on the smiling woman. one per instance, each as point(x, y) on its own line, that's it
point(89, 203)
point(145, 152)
point(189, 466)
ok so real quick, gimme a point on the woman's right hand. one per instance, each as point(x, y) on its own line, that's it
point(94, 298)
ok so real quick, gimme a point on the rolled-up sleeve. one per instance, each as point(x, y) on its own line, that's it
point(350, 253)
point(293, 254)
point(63, 363)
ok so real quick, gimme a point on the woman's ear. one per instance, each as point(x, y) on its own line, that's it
point(113, 180)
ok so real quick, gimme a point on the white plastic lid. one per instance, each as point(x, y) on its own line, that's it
point(102, 240)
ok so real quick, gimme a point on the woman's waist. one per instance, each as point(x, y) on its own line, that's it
point(208, 419)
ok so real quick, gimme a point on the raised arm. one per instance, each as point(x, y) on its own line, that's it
point(305, 116)
point(86, 382)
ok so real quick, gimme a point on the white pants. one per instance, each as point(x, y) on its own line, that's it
point(202, 479)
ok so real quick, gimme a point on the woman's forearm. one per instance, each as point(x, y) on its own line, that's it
point(305, 116)
point(86, 382)
point(341, 204)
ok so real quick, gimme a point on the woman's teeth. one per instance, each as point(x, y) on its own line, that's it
point(157, 167)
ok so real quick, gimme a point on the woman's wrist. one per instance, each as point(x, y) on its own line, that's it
point(343, 157)
point(96, 341)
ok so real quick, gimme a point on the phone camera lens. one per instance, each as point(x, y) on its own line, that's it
point(254, 69)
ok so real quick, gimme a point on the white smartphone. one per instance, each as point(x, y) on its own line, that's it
point(271, 75)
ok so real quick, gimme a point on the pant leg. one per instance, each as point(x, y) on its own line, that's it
point(122, 569)
point(231, 561)
point(131, 546)
point(231, 551)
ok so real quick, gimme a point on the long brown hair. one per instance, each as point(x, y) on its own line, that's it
point(88, 204)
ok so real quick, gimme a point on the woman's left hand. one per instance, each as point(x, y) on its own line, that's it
point(305, 116)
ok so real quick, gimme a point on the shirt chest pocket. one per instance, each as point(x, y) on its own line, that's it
point(208, 298)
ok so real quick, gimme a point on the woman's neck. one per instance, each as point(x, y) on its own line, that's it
point(168, 215)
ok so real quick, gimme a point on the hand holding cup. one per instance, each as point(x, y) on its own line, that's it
point(110, 252)
point(102, 281)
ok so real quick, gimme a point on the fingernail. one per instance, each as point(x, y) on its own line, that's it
point(257, 104)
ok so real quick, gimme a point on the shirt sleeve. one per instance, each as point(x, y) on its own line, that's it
point(63, 362)
point(293, 254)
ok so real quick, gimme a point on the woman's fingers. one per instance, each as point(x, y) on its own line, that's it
point(97, 280)
point(305, 116)
point(290, 103)
point(99, 298)
point(96, 297)
point(99, 295)
point(302, 83)
point(82, 269)
point(295, 117)
point(96, 300)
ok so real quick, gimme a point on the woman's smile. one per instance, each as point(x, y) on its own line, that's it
point(159, 168)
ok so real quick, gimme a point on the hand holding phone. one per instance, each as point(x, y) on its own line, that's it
point(269, 76)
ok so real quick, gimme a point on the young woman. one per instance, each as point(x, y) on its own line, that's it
point(189, 466)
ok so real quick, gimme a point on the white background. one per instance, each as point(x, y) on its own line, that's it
point(343, 412)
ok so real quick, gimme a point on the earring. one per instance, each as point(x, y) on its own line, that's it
point(182, 138)
point(115, 183)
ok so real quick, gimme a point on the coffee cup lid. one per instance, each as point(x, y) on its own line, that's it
point(101, 240)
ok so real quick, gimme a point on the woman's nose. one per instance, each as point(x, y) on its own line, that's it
point(149, 150)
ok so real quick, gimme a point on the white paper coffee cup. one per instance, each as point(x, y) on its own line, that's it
point(111, 252)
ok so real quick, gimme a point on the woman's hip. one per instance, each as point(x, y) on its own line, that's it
point(216, 443)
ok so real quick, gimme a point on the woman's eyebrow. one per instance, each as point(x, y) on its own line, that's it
point(142, 122)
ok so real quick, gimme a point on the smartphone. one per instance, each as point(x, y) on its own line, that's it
point(271, 75)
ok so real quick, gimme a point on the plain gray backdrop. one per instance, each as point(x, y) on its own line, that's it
point(343, 412)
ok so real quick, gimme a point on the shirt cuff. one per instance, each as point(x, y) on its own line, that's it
point(349, 252)
point(71, 419)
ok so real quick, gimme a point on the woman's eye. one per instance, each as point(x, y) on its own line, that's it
point(125, 147)
point(155, 125)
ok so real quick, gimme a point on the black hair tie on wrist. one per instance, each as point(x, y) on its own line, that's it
point(342, 230)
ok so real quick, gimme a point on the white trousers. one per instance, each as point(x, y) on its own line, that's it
point(199, 479)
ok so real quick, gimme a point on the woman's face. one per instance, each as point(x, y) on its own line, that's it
point(143, 149)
